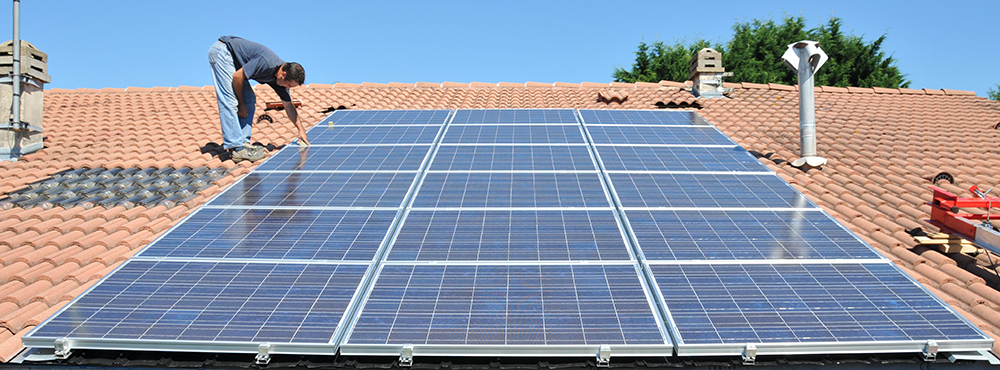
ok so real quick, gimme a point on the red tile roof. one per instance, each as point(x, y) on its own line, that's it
point(884, 147)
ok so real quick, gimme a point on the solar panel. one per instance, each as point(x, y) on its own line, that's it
point(208, 306)
point(400, 134)
point(276, 234)
point(870, 307)
point(508, 233)
point(514, 235)
point(497, 116)
point(654, 158)
point(500, 189)
point(502, 305)
point(513, 158)
point(655, 135)
point(743, 235)
point(348, 158)
point(706, 190)
point(513, 134)
point(384, 117)
point(322, 189)
point(639, 117)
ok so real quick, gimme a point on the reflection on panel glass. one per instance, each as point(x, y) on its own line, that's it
point(530, 235)
point(507, 305)
point(737, 304)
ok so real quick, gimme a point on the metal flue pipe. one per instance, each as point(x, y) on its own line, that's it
point(15, 114)
point(805, 57)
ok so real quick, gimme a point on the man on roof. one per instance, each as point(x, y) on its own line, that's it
point(236, 61)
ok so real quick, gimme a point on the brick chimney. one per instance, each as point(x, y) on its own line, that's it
point(707, 74)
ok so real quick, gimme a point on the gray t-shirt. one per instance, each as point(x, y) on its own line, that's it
point(258, 62)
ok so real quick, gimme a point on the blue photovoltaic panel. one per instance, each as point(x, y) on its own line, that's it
point(706, 190)
point(762, 303)
point(336, 135)
point(318, 189)
point(507, 305)
point(386, 117)
point(742, 235)
point(513, 158)
point(651, 158)
point(276, 234)
point(350, 158)
point(657, 135)
point(639, 117)
point(206, 301)
point(499, 189)
point(513, 134)
point(477, 116)
point(563, 235)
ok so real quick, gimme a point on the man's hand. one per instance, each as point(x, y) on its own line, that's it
point(241, 110)
point(303, 140)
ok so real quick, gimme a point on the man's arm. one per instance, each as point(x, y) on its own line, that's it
point(239, 77)
point(293, 115)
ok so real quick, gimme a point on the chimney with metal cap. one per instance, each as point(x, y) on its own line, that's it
point(707, 74)
point(805, 57)
point(23, 74)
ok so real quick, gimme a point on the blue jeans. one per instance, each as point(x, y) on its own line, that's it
point(235, 129)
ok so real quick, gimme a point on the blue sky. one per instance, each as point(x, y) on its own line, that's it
point(110, 43)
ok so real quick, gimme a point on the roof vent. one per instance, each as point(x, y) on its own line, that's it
point(805, 57)
point(707, 74)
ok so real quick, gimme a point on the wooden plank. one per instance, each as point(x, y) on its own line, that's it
point(956, 241)
point(951, 248)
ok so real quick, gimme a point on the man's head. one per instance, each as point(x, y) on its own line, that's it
point(291, 75)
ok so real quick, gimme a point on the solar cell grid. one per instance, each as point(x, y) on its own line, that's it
point(487, 116)
point(204, 301)
point(738, 304)
point(336, 135)
point(498, 189)
point(513, 134)
point(659, 117)
point(651, 158)
point(706, 190)
point(276, 234)
point(658, 135)
point(510, 243)
point(385, 117)
point(324, 189)
point(530, 235)
point(506, 305)
point(512, 158)
point(742, 235)
point(351, 158)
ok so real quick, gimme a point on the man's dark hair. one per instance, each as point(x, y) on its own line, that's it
point(294, 72)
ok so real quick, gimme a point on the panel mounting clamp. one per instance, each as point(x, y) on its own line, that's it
point(62, 348)
point(406, 356)
point(930, 350)
point(749, 354)
point(604, 356)
point(263, 354)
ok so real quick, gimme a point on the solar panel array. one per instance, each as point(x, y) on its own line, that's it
point(545, 232)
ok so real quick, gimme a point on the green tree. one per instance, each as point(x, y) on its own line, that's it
point(659, 61)
point(994, 94)
point(754, 55)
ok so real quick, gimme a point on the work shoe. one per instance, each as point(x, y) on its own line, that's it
point(247, 153)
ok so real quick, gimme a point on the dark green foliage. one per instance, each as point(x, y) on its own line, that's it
point(658, 61)
point(994, 94)
point(754, 52)
point(754, 55)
